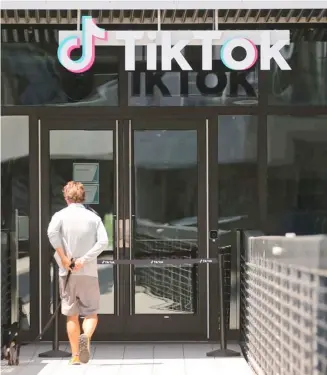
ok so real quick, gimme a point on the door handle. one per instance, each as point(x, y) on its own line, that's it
point(120, 234)
point(127, 233)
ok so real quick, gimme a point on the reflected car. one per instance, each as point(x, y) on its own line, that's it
point(193, 221)
point(181, 229)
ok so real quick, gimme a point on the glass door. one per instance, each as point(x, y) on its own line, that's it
point(147, 181)
point(165, 219)
point(86, 150)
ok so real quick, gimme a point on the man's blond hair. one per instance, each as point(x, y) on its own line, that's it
point(74, 192)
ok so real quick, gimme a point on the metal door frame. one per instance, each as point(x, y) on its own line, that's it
point(181, 324)
point(125, 327)
point(115, 322)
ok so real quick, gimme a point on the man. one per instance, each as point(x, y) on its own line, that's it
point(79, 234)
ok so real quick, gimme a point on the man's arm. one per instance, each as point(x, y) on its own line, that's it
point(55, 239)
point(100, 245)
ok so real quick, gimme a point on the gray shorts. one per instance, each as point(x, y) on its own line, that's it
point(81, 296)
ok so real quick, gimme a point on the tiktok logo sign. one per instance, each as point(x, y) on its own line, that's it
point(90, 33)
point(227, 57)
point(172, 45)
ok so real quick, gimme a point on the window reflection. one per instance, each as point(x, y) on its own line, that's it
point(15, 239)
point(237, 160)
point(166, 210)
point(297, 178)
point(306, 83)
point(32, 75)
point(194, 88)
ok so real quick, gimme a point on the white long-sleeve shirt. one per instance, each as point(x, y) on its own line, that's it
point(81, 234)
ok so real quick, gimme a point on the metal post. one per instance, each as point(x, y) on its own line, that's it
point(55, 352)
point(223, 351)
point(5, 278)
point(223, 342)
point(159, 20)
point(14, 275)
point(78, 23)
point(55, 341)
point(216, 19)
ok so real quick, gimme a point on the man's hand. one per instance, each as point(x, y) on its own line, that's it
point(66, 263)
point(79, 263)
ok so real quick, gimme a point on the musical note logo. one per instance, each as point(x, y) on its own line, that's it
point(90, 32)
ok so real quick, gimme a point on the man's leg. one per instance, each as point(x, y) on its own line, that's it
point(73, 332)
point(89, 325)
point(89, 300)
point(69, 308)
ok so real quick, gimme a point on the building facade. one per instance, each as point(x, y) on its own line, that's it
point(166, 158)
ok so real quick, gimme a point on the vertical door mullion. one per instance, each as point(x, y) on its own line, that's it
point(34, 225)
point(130, 211)
point(125, 278)
point(202, 140)
point(130, 207)
point(45, 176)
point(262, 149)
point(117, 215)
point(213, 172)
point(207, 282)
point(120, 217)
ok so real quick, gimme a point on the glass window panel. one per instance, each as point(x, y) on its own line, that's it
point(15, 213)
point(32, 75)
point(78, 146)
point(237, 160)
point(166, 290)
point(306, 83)
point(297, 178)
point(166, 210)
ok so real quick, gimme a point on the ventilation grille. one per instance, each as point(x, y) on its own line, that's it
point(168, 17)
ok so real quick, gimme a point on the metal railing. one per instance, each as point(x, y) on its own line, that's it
point(284, 304)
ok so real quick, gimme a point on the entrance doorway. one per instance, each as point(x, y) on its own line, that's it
point(147, 179)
